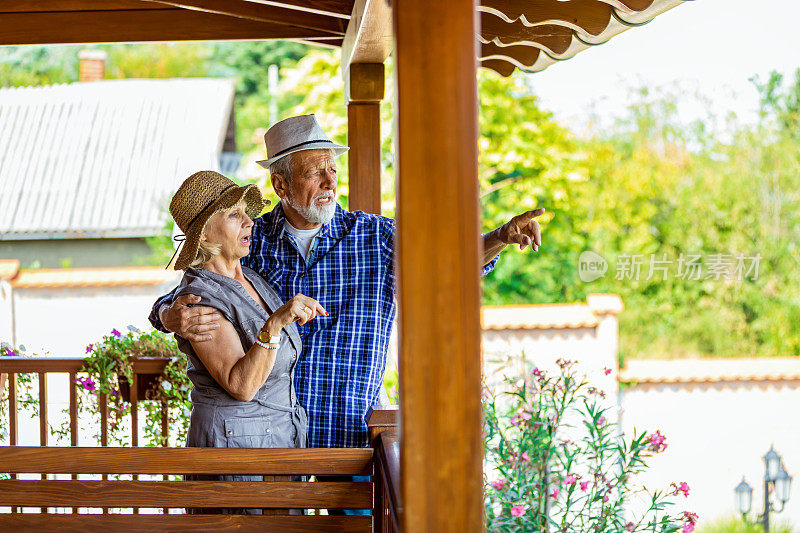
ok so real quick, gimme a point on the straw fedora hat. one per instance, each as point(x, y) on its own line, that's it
point(295, 134)
point(197, 199)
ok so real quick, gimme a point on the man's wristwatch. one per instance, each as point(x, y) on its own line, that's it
point(265, 337)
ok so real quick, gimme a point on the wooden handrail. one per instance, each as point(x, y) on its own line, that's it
point(21, 365)
point(387, 460)
point(387, 508)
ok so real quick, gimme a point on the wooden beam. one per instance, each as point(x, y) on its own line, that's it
point(366, 86)
point(139, 25)
point(33, 6)
point(369, 34)
point(262, 13)
point(437, 261)
point(342, 8)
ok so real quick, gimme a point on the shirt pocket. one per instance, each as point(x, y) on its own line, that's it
point(248, 433)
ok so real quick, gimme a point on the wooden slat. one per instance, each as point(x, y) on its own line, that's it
point(43, 409)
point(438, 285)
point(134, 387)
point(551, 37)
point(181, 523)
point(12, 408)
point(526, 55)
point(82, 493)
point(262, 13)
point(140, 25)
point(590, 16)
point(73, 409)
point(12, 416)
point(102, 406)
point(254, 461)
point(502, 67)
point(43, 416)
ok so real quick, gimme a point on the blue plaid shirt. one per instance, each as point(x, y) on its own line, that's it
point(349, 270)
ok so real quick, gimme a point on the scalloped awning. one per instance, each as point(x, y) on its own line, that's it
point(532, 35)
point(526, 34)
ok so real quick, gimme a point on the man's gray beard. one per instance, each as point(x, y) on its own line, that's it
point(314, 214)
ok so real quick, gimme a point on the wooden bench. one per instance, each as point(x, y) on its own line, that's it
point(76, 494)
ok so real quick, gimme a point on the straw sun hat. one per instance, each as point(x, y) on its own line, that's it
point(197, 199)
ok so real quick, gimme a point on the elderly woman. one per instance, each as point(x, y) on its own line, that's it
point(243, 395)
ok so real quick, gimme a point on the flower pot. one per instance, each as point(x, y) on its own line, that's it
point(144, 382)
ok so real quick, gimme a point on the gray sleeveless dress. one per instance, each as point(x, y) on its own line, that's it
point(273, 418)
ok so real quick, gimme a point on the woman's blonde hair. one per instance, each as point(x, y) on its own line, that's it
point(205, 252)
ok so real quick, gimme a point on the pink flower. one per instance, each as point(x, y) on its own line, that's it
point(116, 333)
point(683, 487)
point(584, 486)
point(518, 510)
point(500, 484)
point(605, 498)
point(554, 494)
point(630, 526)
point(607, 371)
point(537, 372)
point(525, 457)
point(657, 442)
point(90, 348)
point(87, 383)
point(690, 519)
point(601, 421)
point(10, 352)
point(570, 480)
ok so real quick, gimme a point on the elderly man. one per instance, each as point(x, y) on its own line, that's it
point(308, 244)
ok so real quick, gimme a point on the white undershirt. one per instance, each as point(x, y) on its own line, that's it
point(303, 237)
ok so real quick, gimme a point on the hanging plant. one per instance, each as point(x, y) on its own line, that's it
point(109, 370)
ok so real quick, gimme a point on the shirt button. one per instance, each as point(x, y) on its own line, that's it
point(230, 432)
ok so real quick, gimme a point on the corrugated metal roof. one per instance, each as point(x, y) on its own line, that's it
point(710, 370)
point(102, 159)
point(93, 277)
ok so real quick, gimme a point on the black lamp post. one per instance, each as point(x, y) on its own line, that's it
point(776, 480)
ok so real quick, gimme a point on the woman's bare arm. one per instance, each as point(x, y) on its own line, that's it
point(242, 374)
point(239, 373)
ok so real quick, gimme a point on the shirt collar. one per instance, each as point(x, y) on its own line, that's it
point(336, 228)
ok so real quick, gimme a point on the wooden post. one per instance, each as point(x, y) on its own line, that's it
point(438, 266)
point(364, 87)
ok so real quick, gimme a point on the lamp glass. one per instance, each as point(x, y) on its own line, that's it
point(772, 461)
point(783, 485)
point(744, 497)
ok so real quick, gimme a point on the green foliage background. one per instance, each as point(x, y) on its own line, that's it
point(648, 185)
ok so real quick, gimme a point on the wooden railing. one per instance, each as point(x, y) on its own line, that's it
point(273, 497)
point(275, 492)
point(12, 366)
